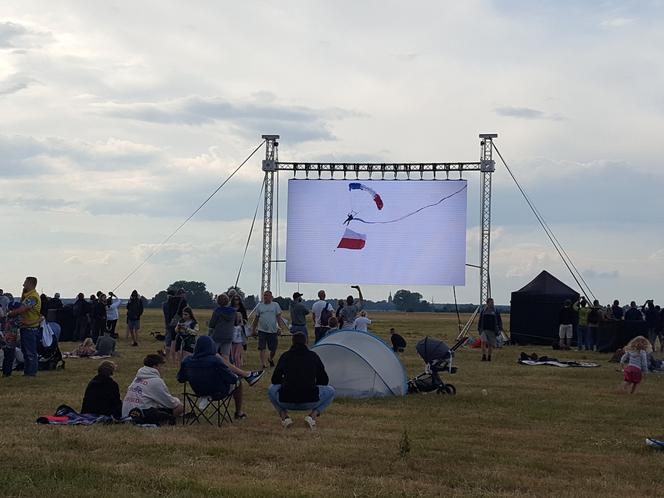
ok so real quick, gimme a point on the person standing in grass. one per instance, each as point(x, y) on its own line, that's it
point(566, 318)
point(351, 309)
point(112, 314)
point(489, 325)
point(321, 312)
point(267, 323)
point(581, 330)
point(134, 313)
point(298, 315)
point(30, 319)
point(222, 325)
point(594, 318)
point(362, 323)
point(299, 382)
point(636, 359)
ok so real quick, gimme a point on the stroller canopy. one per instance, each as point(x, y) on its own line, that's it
point(432, 349)
point(360, 365)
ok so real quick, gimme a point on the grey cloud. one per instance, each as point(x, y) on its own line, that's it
point(601, 274)
point(27, 156)
point(15, 83)
point(251, 118)
point(19, 36)
point(526, 113)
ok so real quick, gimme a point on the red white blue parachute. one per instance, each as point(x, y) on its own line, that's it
point(361, 186)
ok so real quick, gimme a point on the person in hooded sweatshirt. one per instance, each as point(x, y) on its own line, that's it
point(222, 325)
point(148, 390)
point(299, 382)
point(212, 376)
point(102, 396)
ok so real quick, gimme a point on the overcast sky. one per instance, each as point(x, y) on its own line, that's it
point(119, 118)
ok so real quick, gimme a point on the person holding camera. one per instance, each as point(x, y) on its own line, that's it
point(351, 309)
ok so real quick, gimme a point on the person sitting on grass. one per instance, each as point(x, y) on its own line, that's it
point(85, 349)
point(102, 396)
point(105, 345)
point(212, 376)
point(148, 397)
point(636, 359)
point(299, 382)
point(398, 342)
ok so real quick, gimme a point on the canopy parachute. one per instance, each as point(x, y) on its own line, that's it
point(361, 186)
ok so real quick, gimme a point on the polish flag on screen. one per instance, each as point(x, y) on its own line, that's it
point(352, 240)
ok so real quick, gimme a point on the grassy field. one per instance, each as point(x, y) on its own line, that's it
point(538, 431)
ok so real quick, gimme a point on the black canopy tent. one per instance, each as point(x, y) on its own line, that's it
point(535, 307)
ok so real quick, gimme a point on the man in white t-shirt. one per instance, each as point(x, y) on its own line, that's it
point(267, 320)
point(316, 313)
point(361, 322)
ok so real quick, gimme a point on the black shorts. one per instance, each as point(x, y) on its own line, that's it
point(267, 341)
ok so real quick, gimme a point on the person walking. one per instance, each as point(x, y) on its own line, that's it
point(134, 313)
point(299, 382)
point(298, 315)
point(30, 317)
point(267, 323)
point(636, 359)
point(321, 312)
point(489, 325)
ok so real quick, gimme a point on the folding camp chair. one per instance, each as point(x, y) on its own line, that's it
point(217, 408)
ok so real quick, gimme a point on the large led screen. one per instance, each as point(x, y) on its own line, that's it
point(376, 232)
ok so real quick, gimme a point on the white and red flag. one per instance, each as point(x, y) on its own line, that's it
point(352, 240)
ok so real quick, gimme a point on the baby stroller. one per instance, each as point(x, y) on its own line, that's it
point(49, 357)
point(438, 358)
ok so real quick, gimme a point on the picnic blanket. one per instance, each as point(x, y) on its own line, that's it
point(93, 357)
point(534, 360)
point(66, 415)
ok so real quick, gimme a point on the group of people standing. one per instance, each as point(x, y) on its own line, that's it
point(99, 316)
point(589, 317)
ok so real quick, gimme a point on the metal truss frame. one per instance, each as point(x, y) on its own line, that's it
point(382, 171)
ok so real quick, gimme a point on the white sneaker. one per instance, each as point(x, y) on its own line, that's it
point(286, 422)
point(311, 422)
point(203, 403)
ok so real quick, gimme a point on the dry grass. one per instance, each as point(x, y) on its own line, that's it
point(538, 432)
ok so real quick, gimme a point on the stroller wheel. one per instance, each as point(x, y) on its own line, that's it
point(450, 389)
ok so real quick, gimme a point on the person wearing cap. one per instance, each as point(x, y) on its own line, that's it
point(299, 382)
point(298, 314)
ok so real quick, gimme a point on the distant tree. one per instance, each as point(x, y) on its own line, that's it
point(405, 300)
point(196, 293)
point(284, 302)
point(158, 299)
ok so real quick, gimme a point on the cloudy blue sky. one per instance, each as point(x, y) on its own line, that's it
point(119, 118)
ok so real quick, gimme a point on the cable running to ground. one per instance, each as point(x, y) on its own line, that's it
point(260, 195)
point(158, 248)
point(556, 244)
